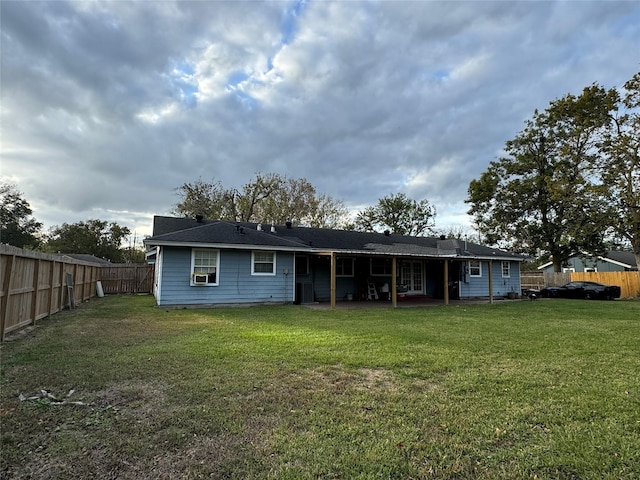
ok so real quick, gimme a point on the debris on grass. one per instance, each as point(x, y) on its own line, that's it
point(47, 398)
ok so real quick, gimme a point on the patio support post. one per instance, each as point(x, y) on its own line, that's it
point(333, 280)
point(490, 281)
point(394, 293)
point(446, 282)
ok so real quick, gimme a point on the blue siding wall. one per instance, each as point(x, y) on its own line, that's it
point(502, 286)
point(236, 284)
point(322, 284)
point(479, 286)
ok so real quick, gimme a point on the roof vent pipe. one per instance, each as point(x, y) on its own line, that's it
point(199, 218)
point(259, 227)
point(273, 228)
point(289, 224)
point(387, 233)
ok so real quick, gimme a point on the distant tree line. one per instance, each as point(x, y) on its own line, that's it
point(93, 237)
point(268, 198)
point(274, 198)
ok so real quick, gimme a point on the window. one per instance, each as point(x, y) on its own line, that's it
point(506, 269)
point(380, 266)
point(344, 267)
point(263, 263)
point(204, 267)
point(475, 268)
point(302, 265)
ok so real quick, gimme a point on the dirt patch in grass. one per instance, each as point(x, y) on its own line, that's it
point(377, 378)
point(337, 379)
point(133, 395)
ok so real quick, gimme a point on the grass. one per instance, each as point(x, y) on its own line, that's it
point(547, 389)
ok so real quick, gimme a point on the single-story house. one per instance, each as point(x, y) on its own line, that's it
point(213, 262)
point(612, 261)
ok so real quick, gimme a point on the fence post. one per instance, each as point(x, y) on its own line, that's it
point(61, 295)
point(34, 299)
point(6, 285)
point(52, 272)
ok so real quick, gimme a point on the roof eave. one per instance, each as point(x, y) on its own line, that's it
point(325, 251)
point(234, 246)
point(615, 262)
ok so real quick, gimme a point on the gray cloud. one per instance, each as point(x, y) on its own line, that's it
point(108, 107)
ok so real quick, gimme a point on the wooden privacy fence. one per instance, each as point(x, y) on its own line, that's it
point(35, 285)
point(539, 279)
point(127, 278)
point(629, 282)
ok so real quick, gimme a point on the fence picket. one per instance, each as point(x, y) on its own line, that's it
point(629, 282)
point(32, 284)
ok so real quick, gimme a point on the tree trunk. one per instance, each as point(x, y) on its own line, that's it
point(557, 264)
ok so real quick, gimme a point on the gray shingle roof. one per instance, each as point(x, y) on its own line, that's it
point(87, 258)
point(628, 258)
point(186, 231)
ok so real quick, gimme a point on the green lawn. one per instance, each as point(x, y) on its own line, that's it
point(547, 390)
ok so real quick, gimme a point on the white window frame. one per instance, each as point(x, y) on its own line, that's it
point(340, 264)
point(507, 264)
point(472, 268)
point(203, 269)
point(254, 261)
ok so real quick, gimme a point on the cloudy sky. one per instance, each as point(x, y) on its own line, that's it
point(107, 107)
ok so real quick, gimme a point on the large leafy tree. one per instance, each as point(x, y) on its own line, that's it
point(398, 214)
point(267, 198)
point(94, 237)
point(540, 198)
point(17, 226)
point(211, 200)
point(619, 168)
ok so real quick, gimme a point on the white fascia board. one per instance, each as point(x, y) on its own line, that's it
point(413, 255)
point(545, 265)
point(621, 264)
point(606, 259)
point(471, 257)
point(325, 251)
point(232, 246)
point(505, 259)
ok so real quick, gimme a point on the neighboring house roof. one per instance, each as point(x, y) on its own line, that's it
point(618, 257)
point(624, 259)
point(190, 232)
point(87, 258)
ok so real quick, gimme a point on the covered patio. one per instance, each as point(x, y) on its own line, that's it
point(447, 276)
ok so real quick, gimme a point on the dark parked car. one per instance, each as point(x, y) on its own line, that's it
point(587, 290)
